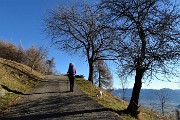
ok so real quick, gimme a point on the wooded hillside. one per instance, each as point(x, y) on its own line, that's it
point(35, 58)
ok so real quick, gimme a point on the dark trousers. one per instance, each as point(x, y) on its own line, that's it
point(71, 79)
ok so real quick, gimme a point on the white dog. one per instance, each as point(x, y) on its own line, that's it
point(99, 93)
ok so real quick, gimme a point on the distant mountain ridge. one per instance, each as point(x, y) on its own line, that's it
point(149, 98)
point(150, 93)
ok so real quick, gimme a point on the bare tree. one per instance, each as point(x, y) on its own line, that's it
point(163, 98)
point(102, 75)
point(124, 83)
point(79, 29)
point(8, 50)
point(50, 66)
point(148, 40)
point(20, 57)
point(35, 58)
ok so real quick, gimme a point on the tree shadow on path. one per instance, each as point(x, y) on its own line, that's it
point(53, 101)
point(55, 115)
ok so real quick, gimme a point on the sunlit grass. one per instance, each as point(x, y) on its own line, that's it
point(116, 104)
point(20, 78)
point(16, 77)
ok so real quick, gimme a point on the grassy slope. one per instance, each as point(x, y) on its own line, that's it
point(110, 101)
point(16, 77)
point(20, 78)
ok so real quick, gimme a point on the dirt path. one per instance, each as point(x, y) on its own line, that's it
point(53, 101)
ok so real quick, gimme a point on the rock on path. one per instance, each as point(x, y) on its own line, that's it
point(53, 101)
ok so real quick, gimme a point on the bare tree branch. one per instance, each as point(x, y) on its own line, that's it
point(148, 40)
point(79, 29)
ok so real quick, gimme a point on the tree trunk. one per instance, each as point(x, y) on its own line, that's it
point(91, 72)
point(123, 93)
point(133, 105)
point(162, 108)
point(177, 114)
point(99, 79)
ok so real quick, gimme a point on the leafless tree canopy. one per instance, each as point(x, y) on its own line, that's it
point(50, 66)
point(79, 29)
point(163, 98)
point(147, 30)
point(148, 38)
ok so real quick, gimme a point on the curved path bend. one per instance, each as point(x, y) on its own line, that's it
point(53, 101)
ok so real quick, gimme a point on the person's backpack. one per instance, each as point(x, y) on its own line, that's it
point(71, 70)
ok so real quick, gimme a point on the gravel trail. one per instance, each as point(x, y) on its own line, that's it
point(53, 101)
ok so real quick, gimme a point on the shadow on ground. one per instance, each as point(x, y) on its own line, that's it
point(55, 107)
point(54, 115)
point(55, 102)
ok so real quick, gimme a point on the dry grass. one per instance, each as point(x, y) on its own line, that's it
point(22, 69)
point(16, 77)
point(55, 77)
point(110, 101)
point(20, 78)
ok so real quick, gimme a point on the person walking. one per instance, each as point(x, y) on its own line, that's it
point(71, 74)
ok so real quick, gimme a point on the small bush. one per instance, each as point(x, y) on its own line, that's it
point(79, 76)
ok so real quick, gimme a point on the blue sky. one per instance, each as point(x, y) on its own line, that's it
point(21, 21)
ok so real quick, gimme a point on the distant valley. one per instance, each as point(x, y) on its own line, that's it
point(150, 99)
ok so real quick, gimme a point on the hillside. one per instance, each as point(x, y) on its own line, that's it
point(15, 79)
point(116, 104)
point(52, 100)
